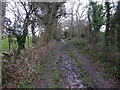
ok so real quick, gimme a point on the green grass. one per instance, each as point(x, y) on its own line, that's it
point(71, 54)
point(57, 78)
point(25, 83)
point(78, 63)
point(28, 41)
point(87, 81)
point(5, 43)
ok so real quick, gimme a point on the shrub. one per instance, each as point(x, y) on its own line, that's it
point(79, 42)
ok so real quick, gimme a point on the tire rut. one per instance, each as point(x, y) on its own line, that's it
point(70, 73)
point(96, 73)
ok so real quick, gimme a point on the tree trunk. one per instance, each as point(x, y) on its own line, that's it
point(107, 32)
point(22, 38)
point(28, 39)
point(112, 33)
point(117, 19)
point(90, 27)
point(118, 38)
point(21, 44)
point(72, 28)
point(47, 34)
point(33, 33)
point(95, 23)
point(12, 42)
point(9, 42)
point(118, 26)
point(20, 47)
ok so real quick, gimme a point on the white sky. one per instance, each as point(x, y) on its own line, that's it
point(74, 4)
point(69, 4)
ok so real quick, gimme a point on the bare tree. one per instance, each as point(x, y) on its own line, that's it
point(49, 17)
point(21, 21)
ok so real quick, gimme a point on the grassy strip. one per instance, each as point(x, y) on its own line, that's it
point(85, 76)
point(23, 84)
point(57, 77)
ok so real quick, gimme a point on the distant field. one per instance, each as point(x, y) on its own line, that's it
point(5, 43)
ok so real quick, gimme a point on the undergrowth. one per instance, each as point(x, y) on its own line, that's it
point(97, 52)
point(20, 72)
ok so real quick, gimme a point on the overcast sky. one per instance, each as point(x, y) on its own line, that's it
point(69, 4)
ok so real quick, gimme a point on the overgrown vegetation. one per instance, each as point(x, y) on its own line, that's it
point(97, 53)
point(21, 71)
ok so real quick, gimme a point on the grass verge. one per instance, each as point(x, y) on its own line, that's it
point(57, 77)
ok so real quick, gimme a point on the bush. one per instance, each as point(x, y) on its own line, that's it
point(79, 42)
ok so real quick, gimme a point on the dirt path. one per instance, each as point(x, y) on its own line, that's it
point(61, 71)
point(96, 73)
point(73, 76)
point(70, 71)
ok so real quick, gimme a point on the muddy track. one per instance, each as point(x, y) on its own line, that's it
point(96, 73)
point(70, 74)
